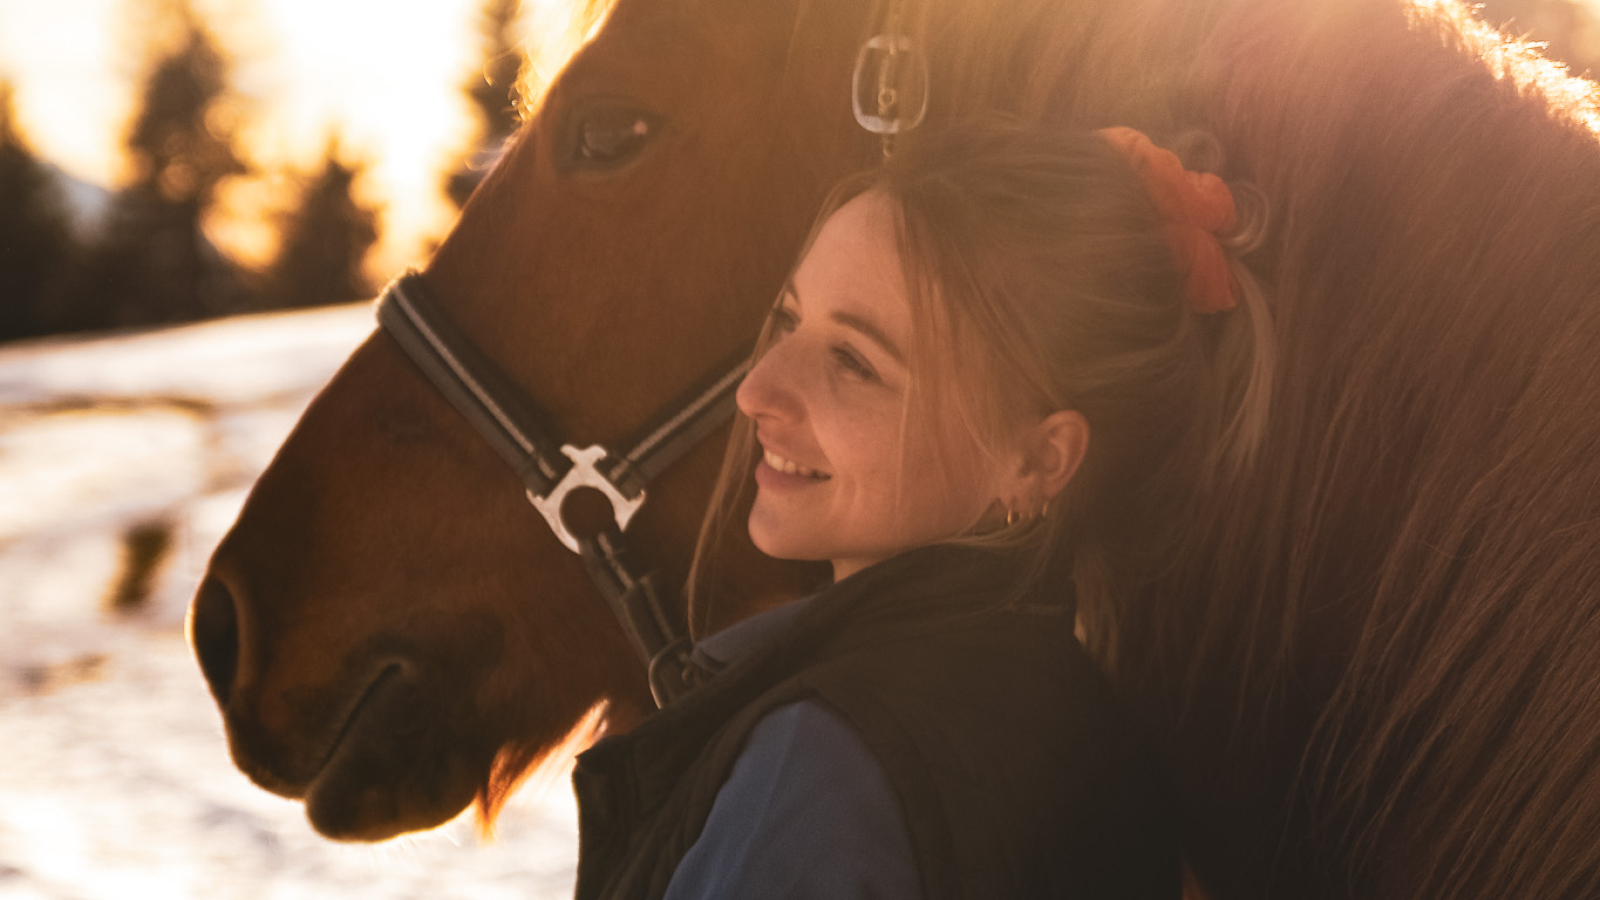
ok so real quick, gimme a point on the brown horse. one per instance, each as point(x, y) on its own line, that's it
point(1371, 664)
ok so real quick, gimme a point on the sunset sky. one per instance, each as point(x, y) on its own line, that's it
point(385, 78)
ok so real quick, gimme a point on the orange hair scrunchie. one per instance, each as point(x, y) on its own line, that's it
point(1197, 207)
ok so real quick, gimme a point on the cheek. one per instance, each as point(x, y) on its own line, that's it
point(864, 446)
point(953, 487)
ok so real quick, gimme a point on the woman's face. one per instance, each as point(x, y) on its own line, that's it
point(836, 481)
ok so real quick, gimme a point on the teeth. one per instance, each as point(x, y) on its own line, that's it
point(788, 467)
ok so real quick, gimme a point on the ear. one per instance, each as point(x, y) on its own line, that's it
point(1052, 450)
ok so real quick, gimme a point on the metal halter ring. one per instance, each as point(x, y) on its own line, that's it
point(583, 474)
point(898, 73)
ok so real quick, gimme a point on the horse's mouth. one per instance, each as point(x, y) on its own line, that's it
point(389, 768)
point(363, 703)
point(384, 769)
point(292, 774)
point(386, 759)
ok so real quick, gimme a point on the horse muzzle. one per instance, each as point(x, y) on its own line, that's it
point(370, 752)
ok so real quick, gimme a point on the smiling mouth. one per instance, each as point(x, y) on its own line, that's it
point(790, 467)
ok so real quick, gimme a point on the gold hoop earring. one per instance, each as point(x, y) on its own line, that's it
point(1011, 516)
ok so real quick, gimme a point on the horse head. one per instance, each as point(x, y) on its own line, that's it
point(390, 629)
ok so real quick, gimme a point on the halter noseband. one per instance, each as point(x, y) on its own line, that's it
point(550, 469)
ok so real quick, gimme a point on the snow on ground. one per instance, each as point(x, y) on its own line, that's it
point(122, 461)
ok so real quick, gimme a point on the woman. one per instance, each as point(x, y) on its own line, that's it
point(991, 377)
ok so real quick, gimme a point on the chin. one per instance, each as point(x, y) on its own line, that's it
point(776, 544)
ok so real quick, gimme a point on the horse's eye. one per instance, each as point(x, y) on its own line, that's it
point(610, 137)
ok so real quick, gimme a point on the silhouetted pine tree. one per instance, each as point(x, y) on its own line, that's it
point(493, 91)
point(38, 251)
point(155, 264)
point(324, 242)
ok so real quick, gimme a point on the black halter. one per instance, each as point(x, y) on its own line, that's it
point(550, 469)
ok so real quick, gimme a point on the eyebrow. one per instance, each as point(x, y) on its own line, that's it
point(864, 325)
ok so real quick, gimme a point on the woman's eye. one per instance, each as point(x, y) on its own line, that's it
point(855, 365)
point(610, 137)
point(783, 321)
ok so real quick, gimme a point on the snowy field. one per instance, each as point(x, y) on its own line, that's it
point(122, 461)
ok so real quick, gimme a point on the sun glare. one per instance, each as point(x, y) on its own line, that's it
point(382, 82)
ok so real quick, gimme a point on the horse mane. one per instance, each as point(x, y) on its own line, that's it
point(1373, 656)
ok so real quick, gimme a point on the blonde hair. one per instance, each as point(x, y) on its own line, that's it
point(1037, 259)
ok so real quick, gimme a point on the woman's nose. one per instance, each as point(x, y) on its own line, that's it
point(767, 392)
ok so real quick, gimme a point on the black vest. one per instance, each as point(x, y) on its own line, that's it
point(1018, 773)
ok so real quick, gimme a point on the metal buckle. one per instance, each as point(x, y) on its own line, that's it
point(897, 74)
point(583, 474)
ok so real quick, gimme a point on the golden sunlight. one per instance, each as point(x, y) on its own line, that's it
point(382, 82)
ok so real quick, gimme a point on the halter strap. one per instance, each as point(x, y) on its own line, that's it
point(497, 409)
point(518, 430)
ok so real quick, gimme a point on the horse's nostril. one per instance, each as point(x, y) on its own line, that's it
point(214, 628)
